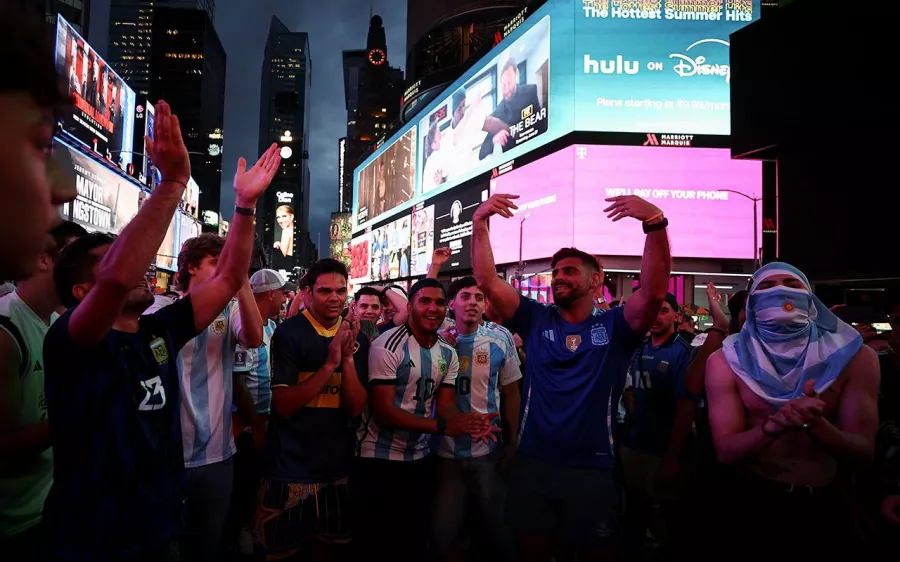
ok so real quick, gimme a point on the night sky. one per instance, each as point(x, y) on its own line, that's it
point(333, 25)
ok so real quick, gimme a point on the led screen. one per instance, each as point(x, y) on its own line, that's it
point(101, 116)
point(446, 222)
point(505, 105)
point(656, 65)
point(389, 250)
point(389, 180)
point(564, 194)
point(340, 238)
point(360, 264)
point(106, 201)
point(618, 66)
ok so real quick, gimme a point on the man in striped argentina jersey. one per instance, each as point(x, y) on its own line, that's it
point(408, 366)
point(253, 400)
point(205, 367)
point(468, 475)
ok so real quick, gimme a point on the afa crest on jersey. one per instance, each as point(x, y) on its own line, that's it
point(482, 357)
point(442, 365)
point(219, 325)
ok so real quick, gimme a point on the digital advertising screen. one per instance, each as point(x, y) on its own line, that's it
point(149, 168)
point(167, 255)
point(340, 238)
point(505, 105)
point(389, 250)
point(453, 224)
point(422, 239)
point(101, 116)
point(703, 192)
point(360, 262)
point(106, 201)
point(389, 180)
point(283, 245)
point(656, 65)
point(190, 199)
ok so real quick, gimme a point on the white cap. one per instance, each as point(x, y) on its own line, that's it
point(266, 280)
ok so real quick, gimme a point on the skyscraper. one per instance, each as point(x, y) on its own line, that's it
point(284, 116)
point(130, 36)
point(188, 71)
point(76, 12)
point(372, 92)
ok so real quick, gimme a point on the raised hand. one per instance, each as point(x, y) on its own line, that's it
point(166, 148)
point(630, 206)
point(719, 319)
point(250, 184)
point(351, 323)
point(440, 256)
point(498, 204)
point(336, 347)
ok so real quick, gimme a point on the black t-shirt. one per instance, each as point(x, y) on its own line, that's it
point(317, 443)
point(114, 425)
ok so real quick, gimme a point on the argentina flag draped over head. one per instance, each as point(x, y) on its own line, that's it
point(789, 337)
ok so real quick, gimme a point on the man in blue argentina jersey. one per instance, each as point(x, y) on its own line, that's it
point(205, 367)
point(408, 366)
point(253, 401)
point(561, 484)
point(658, 427)
point(468, 475)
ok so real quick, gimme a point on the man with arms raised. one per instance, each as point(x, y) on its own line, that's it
point(468, 473)
point(792, 397)
point(408, 366)
point(111, 376)
point(562, 481)
point(318, 360)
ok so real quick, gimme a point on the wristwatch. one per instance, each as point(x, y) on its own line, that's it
point(648, 228)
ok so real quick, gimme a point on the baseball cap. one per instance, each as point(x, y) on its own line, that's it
point(673, 302)
point(266, 280)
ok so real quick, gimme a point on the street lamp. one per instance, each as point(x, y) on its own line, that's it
point(520, 268)
point(756, 200)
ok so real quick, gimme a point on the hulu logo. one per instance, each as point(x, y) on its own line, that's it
point(615, 66)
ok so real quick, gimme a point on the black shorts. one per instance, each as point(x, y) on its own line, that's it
point(290, 514)
point(578, 505)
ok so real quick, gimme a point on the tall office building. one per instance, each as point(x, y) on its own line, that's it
point(76, 12)
point(284, 117)
point(131, 34)
point(188, 71)
point(372, 95)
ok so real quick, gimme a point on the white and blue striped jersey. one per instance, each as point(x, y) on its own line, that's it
point(487, 361)
point(416, 372)
point(256, 365)
point(205, 367)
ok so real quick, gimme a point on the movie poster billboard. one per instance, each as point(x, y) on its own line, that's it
point(106, 201)
point(388, 181)
point(101, 116)
point(285, 225)
point(341, 225)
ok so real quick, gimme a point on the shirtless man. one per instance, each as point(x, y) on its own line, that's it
point(792, 396)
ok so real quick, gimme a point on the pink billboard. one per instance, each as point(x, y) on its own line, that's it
point(688, 184)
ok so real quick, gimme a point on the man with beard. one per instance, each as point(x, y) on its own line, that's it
point(792, 396)
point(34, 185)
point(562, 478)
point(111, 377)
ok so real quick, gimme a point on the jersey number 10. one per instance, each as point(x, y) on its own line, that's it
point(424, 389)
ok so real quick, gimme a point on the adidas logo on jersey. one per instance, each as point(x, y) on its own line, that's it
point(411, 365)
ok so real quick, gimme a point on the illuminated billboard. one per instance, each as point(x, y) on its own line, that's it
point(504, 106)
point(285, 224)
point(561, 198)
point(101, 116)
point(445, 221)
point(389, 180)
point(340, 238)
point(106, 201)
point(651, 67)
point(389, 250)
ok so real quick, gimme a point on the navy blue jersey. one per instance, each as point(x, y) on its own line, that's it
point(574, 378)
point(657, 375)
point(114, 424)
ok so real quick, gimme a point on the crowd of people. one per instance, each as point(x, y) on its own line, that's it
point(449, 422)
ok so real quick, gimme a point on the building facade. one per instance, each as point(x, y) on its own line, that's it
point(188, 71)
point(131, 33)
point(76, 12)
point(372, 95)
point(284, 118)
